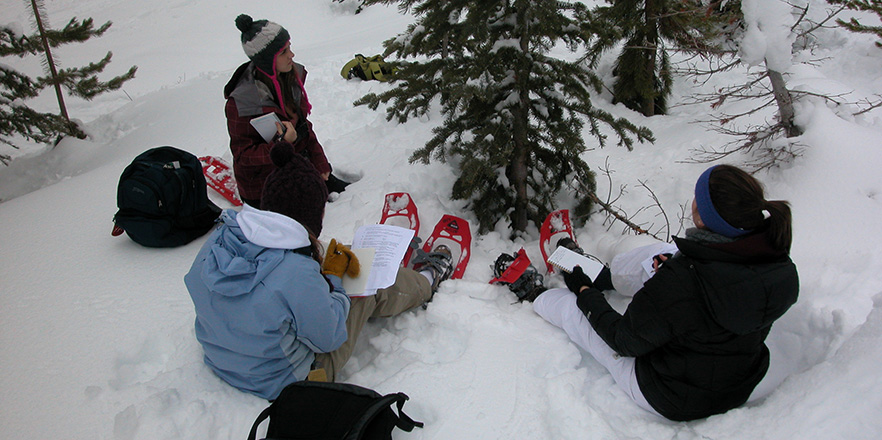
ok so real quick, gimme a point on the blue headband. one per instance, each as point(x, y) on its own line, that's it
point(709, 215)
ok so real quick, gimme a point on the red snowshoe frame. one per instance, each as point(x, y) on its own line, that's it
point(556, 224)
point(400, 210)
point(456, 230)
point(219, 176)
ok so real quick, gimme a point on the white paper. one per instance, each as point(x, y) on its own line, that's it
point(266, 125)
point(389, 244)
point(647, 263)
point(566, 259)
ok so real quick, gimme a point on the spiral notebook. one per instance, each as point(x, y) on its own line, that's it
point(565, 260)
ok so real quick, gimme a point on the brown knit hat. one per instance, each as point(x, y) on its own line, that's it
point(295, 188)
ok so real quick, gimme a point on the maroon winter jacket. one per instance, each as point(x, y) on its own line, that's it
point(248, 99)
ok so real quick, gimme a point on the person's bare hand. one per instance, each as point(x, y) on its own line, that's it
point(287, 128)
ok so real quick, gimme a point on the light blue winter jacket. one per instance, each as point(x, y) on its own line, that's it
point(262, 310)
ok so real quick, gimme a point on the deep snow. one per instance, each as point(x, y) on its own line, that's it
point(96, 334)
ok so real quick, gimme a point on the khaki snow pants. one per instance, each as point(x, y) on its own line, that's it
point(411, 289)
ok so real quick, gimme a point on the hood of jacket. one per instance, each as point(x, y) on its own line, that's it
point(248, 247)
point(746, 284)
point(252, 97)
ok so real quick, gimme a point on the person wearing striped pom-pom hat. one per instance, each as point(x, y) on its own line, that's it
point(270, 82)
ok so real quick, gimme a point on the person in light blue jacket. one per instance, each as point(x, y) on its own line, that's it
point(263, 307)
point(270, 310)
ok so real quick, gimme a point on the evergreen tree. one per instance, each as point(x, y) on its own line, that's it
point(513, 115)
point(643, 68)
point(854, 25)
point(16, 118)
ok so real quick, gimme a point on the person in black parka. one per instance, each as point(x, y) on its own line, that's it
point(691, 343)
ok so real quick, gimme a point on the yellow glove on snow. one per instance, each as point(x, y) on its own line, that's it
point(339, 259)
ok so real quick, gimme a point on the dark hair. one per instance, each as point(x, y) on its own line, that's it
point(286, 81)
point(739, 198)
point(318, 253)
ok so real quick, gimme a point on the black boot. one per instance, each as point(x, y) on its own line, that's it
point(570, 244)
point(335, 184)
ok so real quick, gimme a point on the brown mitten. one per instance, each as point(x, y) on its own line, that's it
point(339, 260)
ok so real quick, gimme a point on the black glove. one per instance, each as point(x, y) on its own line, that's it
point(302, 129)
point(577, 279)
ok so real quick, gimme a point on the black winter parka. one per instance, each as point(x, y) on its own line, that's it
point(697, 327)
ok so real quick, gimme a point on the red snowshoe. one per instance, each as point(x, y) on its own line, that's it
point(400, 210)
point(219, 176)
point(556, 226)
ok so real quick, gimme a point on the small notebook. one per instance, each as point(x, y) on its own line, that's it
point(358, 286)
point(266, 125)
point(565, 260)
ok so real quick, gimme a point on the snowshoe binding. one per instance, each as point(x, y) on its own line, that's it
point(438, 262)
point(521, 277)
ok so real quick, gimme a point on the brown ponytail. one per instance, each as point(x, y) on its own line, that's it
point(781, 229)
point(739, 198)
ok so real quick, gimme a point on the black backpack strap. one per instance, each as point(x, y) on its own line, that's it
point(260, 418)
point(404, 422)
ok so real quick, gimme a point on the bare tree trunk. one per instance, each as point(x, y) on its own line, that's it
point(519, 166)
point(38, 18)
point(519, 170)
point(785, 103)
point(651, 45)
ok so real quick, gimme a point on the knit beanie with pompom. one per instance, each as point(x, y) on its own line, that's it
point(295, 188)
point(262, 40)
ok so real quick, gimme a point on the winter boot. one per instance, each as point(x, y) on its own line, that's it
point(438, 262)
point(570, 244)
point(335, 184)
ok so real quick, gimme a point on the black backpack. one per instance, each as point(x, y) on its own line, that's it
point(163, 200)
point(326, 411)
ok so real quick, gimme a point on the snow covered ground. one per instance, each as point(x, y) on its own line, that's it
point(96, 332)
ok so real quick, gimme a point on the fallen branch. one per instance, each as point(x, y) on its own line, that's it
point(614, 212)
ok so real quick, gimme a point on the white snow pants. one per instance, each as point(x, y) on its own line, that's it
point(558, 306)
